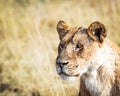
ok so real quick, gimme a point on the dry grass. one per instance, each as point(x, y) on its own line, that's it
point(28, 42)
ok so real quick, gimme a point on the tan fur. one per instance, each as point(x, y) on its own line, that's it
point(86, 52)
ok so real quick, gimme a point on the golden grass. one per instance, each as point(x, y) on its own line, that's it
point(28, 42)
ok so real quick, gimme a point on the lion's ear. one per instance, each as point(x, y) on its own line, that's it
point(97, 32)
point(62, 28)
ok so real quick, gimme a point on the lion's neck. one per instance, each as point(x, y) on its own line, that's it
point(104, 58)
point(99, 71)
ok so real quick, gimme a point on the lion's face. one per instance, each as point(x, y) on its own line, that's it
point(77, 45)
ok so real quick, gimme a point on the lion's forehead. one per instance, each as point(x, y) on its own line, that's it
point(81, 37)
point(76, 34)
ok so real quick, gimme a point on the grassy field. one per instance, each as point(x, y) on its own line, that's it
point(28, 42)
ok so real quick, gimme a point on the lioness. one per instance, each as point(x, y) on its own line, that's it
point(86, 52)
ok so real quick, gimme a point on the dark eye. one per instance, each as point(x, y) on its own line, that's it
point(61, 46)
point(79, 47)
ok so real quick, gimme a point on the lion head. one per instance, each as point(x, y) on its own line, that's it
point(77, 45)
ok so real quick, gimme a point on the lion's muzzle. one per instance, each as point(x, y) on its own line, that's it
point(66, 68)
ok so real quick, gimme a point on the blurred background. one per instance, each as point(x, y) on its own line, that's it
point(28, 42)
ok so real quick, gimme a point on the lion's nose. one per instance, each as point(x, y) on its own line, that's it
point(61, 63)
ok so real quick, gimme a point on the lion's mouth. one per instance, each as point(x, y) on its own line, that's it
point(69, 75)
point(62, 73)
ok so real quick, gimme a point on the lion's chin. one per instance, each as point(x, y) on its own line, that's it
point(66, 77)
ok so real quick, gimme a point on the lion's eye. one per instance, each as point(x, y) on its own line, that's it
point(61, 46)
point(79, 47)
